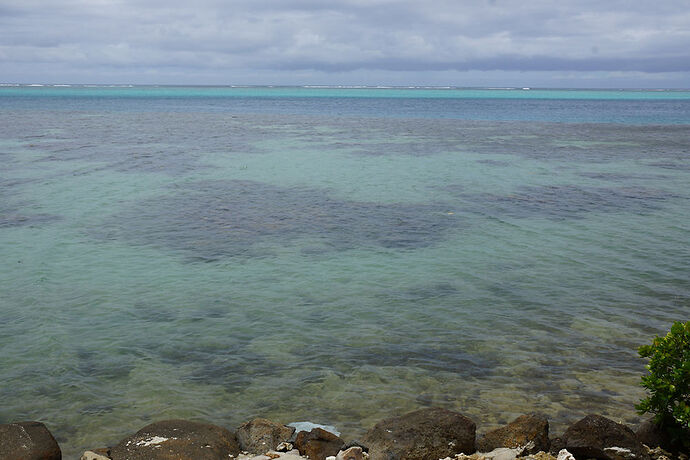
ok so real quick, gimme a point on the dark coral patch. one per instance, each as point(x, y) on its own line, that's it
point(219, 219)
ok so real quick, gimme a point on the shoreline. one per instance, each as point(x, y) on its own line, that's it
point(424, 434)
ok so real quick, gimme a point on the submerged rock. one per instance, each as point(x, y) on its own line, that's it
point(210, 220)
point(596, 436)
point(28, 441)
point(261, 435)
point(177, 440)
point(421, 435)
point(529, 433)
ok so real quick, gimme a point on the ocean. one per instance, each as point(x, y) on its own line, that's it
point(336, 255)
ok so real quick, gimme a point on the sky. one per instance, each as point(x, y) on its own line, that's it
point(487, 43)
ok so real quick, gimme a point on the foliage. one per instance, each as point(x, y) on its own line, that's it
point(668, 381)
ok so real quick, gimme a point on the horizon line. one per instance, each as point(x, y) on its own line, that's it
point(344, 86)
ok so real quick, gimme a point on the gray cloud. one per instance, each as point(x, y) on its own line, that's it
point(214, 38)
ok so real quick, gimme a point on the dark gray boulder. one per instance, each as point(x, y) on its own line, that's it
point(318, 444)
point(653, 435)
point(530, 432)
point(177, 440)
point(28, 441)
point(596, 436)
point(421, 435)
point(260, 435)
point(556, 445)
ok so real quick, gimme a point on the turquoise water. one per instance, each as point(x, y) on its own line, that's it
point(584, 106)
point(334, 255)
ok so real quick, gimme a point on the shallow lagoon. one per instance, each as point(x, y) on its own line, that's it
point(220, 264)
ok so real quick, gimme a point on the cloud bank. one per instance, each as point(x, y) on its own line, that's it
point(346, 42)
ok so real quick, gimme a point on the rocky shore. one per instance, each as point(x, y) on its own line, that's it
point(426, 434)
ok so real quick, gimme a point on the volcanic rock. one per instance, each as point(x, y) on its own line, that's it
point(594, 437)
point(318, 444)
point(530, 432)
point(653, 435)
point(177, 440)
point(28, 441)
point(261, 435)
point(421, 435)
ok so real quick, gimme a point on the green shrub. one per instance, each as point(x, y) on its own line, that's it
point(668, 381)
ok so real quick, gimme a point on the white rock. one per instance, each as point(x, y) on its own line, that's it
point(527, 447)
point(89, 455)
point(152, 441)
point(502, 453)
point(563, 454)
point(353, 453)
point(284, 447)
point(619, 453)
point(292, 455)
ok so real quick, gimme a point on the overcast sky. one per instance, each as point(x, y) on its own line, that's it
point(566, 43)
